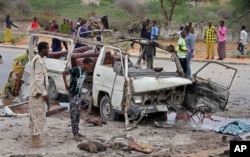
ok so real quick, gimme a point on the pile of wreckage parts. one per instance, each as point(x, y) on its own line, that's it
point(113, 143)
point(15, 90)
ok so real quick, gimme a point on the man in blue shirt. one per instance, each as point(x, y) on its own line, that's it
point(190, 41)
point(154, 34)
point(154, 31)
point(84, 27)
point(77, 77)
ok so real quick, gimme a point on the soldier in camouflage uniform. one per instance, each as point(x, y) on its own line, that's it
point(77, 77)
point(38, 95)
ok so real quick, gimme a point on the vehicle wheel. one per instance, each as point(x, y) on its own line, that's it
point(106, 109)
point(52, 91)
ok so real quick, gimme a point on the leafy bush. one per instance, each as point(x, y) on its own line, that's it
point(106, 2)
point(24, 6)
point(131, 6)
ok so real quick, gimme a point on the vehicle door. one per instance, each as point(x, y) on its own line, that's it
point(55, 63)
point(211, 87)
point(105, 79)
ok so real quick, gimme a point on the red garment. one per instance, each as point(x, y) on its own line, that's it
point(52, 27)
point(34, 25)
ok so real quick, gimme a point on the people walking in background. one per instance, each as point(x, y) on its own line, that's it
point(56, 43)
point(191, 28)
point(154, 31)
point(64, 28)
point(1, 59)
point(182, 51)
point(177, 33)
point(148, 27)
point(52, 26)
point(221, 35)
point(8, 37)
point(38, 95)
point(34, 27)
point(99, 25)
point(242, 41)
point(154, 34)
point(209, 40)
point(71, 28)
point(190, 45)
point(144, 34)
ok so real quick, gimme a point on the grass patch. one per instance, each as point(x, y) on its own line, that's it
point(1, 36)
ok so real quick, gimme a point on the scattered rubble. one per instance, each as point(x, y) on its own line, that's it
point(92, 146)
point(94, 121)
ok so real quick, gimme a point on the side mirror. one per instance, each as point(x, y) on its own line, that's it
point(117, 67)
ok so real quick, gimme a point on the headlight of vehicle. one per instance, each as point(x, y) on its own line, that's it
point(137, 99)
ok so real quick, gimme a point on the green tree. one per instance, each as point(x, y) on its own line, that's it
point(241, 12)
point(3, 4)
point(168, 12)
point(241, 8)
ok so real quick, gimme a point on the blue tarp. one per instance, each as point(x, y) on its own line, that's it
point(234, 128)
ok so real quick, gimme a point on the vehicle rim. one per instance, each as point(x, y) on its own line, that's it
point(52, 89)
point(107, 110)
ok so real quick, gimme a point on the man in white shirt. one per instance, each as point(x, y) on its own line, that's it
point(242, 41)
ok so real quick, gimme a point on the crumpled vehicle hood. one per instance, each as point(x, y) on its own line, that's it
point(147, 84)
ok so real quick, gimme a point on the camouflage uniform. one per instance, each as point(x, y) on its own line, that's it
point(76, 80)
point(38, 85)
point(75, 111)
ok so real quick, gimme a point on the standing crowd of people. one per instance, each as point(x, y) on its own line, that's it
point(149, 31)
point(186, 42)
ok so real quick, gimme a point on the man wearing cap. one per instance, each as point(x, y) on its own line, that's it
point(221, 35)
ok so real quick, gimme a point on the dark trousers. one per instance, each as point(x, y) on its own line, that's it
point(75, 111)
point(241, 48)
point(65, 45)
point(183, 62)
point(144, 54)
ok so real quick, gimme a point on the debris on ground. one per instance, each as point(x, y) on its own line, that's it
point(234, 128)
point(141, 147)
point(94, 122)
point(92, 146)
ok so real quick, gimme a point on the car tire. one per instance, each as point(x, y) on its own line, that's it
point(52, 90)
point(106, 109)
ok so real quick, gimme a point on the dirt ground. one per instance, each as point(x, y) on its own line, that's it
point(181, 140)
point(178, 141)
